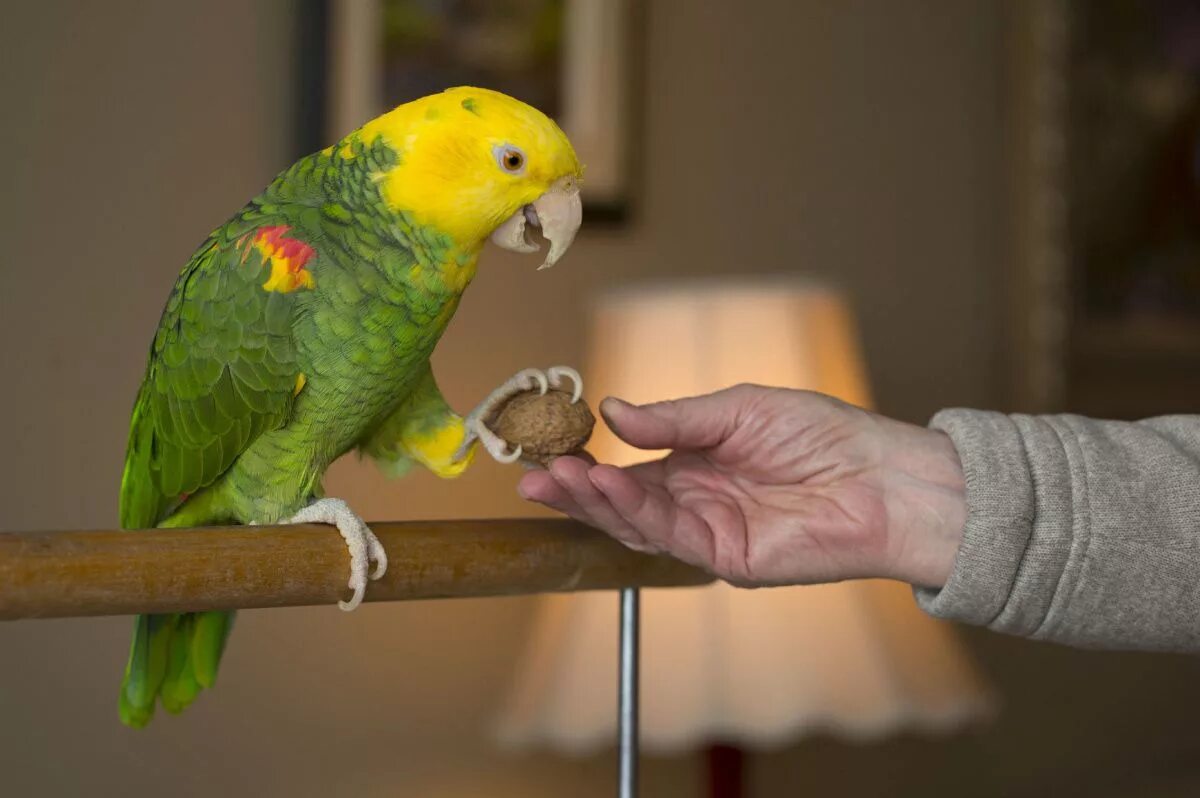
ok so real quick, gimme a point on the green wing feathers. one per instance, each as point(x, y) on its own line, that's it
point(222, 371)
point(141, 500)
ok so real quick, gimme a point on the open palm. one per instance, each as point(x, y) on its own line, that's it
point(768, 486)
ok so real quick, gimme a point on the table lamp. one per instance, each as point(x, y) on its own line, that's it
point(723, 668)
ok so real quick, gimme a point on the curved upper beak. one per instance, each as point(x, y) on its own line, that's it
point(558, 213)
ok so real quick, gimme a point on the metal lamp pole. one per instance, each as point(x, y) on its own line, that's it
point(627, 696)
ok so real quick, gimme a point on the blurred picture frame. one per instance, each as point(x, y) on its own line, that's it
point(575, 59)
point(1105, 278)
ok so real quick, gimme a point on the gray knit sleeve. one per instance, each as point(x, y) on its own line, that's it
point(1078, 531)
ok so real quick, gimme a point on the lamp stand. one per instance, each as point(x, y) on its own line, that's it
point(627, 696)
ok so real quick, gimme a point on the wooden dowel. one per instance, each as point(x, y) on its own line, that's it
point(120, 572)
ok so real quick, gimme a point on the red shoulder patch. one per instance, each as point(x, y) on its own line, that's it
point(287, 256)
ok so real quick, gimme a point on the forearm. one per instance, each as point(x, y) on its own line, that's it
point(1079, 531)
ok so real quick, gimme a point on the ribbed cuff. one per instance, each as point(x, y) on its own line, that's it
point(1000, 517)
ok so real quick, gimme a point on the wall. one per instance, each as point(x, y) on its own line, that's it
point(859, 141)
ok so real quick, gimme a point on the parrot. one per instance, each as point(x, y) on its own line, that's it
point(302, 329)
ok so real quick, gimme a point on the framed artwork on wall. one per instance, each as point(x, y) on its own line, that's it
point(573, 59)
point(1107, 183)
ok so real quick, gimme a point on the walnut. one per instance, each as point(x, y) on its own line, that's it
point(546, 426)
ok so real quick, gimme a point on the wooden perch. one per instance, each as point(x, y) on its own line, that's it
point(62, 574)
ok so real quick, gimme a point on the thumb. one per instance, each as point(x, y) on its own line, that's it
point(697, 422)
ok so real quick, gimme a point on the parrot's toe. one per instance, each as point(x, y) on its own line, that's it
point(496, 446)
point(377, 555)
point(522, 381)
point(364, 547)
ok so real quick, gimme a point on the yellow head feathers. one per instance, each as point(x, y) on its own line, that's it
point(469, 159)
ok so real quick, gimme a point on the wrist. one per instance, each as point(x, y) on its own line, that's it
point(925, 499)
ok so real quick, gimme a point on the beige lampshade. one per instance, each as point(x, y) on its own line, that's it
point(754, 667)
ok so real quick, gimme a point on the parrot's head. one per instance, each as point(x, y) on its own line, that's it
point(475, 163)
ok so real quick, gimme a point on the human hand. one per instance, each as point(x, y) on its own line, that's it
point(772, 486)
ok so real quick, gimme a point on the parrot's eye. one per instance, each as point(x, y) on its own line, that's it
point(511, 159)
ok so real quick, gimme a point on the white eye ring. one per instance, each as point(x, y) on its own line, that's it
point(510, 158)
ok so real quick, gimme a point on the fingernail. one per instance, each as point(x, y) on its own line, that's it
point(610, 402)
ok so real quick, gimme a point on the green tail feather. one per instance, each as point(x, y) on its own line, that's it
point(172, 658)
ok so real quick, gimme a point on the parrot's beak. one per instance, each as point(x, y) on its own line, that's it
point(558, 213)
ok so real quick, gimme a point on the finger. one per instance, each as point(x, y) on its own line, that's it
point(697, 422)
point(539, 486)
point(652, 511)
point(651, 515)
point(571, 475)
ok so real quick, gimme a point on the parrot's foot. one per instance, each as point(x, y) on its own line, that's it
point(364, 547)
point(524, 380)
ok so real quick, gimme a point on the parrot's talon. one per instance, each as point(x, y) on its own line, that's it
point(541, 381)
point(556, 374)
point(379, 556)
point(508, 457)
point(359, 586)
point(364, 547)
point(496, 446)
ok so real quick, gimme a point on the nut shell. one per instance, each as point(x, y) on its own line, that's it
point(546, 426)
